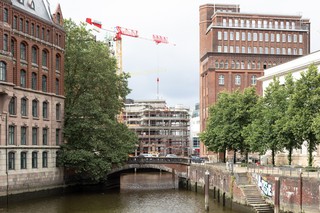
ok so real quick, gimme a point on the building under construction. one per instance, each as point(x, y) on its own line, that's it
point(161, 129)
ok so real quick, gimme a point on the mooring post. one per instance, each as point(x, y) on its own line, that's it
point(300, 186)
point(173, 178)
point(206, 190)
point(277, 196)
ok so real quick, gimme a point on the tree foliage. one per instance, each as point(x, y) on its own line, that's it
point(94, 94)
point(227, 118)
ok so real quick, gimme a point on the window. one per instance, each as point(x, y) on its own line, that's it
point(219, 49)
point(34, 55)
point(37, 31)
point(23, 106)
point(266, 50)
point(259, 24)
point(26, 27)
point(233, 65)
point(237, 80)
point(44, 58)
point(241, 23)
point(261, 50)
point(13, 106)
point(23, 80)
point(48, 35)
point(281, 25)
point(3, 71)
point(289, 38)
point(225, 35)
point(237, 36)
point(237, 65)
point(13, 52)
point(32, 29)
point(34, 160)
point(34, 108)
point(226, 65)
point(45, 136)
point(6, 15)
point(295, 38)
point(23, 135)
point(249, 49)
point(243, 36)
point(231, 49)
point(5, 42)
point(34, 81)
point(11, 136)
point(295, 51)
point(11, 161)
point(278, 51)
point(287, 25)
point(219, 35)
point(253, 65)
point(42, 33)
point(253, 80)
point(45, 110)
point(242, 65)
point(272, 37)
point(260, 36)
point(21, 24)
point(217, 64)
point(58, 18)
point(221, 64)
point(266, 37)
point(32, 5)
point(58, 108)
point(249, 36)
point(225, 49)
point(253, 24)
point(44, 159)
point(57, 136)
point(237, 49)
point(44, 83)
point(284, 37)
point(225, 23)
point(300, 38)
point(58, 61)
point(231, 36)
point(23, 51)
point(236, 23)
point(289, 51)
point(15, 22)
point(283, 50)
point(278, 37)
point(265, 24)
point(255, 50)
point(23, 160)
point(248, 23)
point(255, 37)
point(272, 50)
point(249, 65)
point(293, 25)
point(243, 49)
point(21, 1)
point(34, 135)
point(300, 51)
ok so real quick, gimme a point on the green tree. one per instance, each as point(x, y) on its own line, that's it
point(284, 125)
point(94, 94)
point(227, 118)
point(261, 134)
point(305, 107)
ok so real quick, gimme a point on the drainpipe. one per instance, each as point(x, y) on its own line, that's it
point(7, 174)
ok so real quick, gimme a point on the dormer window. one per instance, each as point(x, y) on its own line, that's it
point(58, 18)
point(21, 1)
point(31, 4)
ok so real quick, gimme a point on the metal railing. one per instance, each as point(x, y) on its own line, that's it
point(158, 160)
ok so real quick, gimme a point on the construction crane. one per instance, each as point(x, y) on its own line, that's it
point(121, 31)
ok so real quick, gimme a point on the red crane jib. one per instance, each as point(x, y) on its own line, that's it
point(126, 32)
point(160, 39)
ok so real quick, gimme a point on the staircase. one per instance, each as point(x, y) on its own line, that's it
point(252, 194)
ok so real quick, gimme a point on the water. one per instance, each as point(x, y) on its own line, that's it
point(136, 195)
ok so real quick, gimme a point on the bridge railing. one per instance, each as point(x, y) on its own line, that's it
point(157, 160)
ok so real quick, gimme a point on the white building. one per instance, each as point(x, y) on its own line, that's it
point(194, 131)
point(295, 67)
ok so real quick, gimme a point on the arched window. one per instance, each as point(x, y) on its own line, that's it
point(45, 136)
point(217, 64)
point(44, 159)
point(44, 83)
point(58, 109)
point(34, 55)
point(11, 160)
point(3, 71)
point(253, 65)
point(5, 42)
point(238, 65)
point(57, 86)
point(45, 110)
point(44, 58)
point(221, 64)
point(58, 18)
point(23, 51)
point(35, 108)
point(232, 65)
point(34, 81)
point(6, 15)
point(23, 160)
point(237, 80)
point(13, 106)
point(249, 65)
point(253, 80)
point(24, 107)
point(34, 160)
point(226, 65)
point(13, 47)
point(242, 65)
point(58, 62)
point(221, 79)
point(23, 78)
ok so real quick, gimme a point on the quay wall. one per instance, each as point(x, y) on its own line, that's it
point(297, 194)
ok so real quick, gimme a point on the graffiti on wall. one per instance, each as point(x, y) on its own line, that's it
point(265, 186)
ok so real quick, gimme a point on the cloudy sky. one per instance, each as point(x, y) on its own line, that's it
point(177, 66)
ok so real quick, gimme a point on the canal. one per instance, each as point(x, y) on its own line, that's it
point(138, 193)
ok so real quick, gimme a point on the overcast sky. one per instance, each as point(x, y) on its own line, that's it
point(177, 66)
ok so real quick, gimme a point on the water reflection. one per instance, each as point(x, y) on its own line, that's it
point(137, 195)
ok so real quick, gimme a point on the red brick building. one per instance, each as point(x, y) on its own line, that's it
point(31, 95)
point(236, 47)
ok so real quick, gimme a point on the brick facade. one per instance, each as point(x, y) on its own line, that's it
point(31, 95)
point(235, 48)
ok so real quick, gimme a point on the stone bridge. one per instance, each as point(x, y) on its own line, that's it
point(177, 166)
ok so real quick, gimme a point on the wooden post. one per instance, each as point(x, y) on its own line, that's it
point(277, 195)
point(173, 179)
point(300, 186)
point(206, 191)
